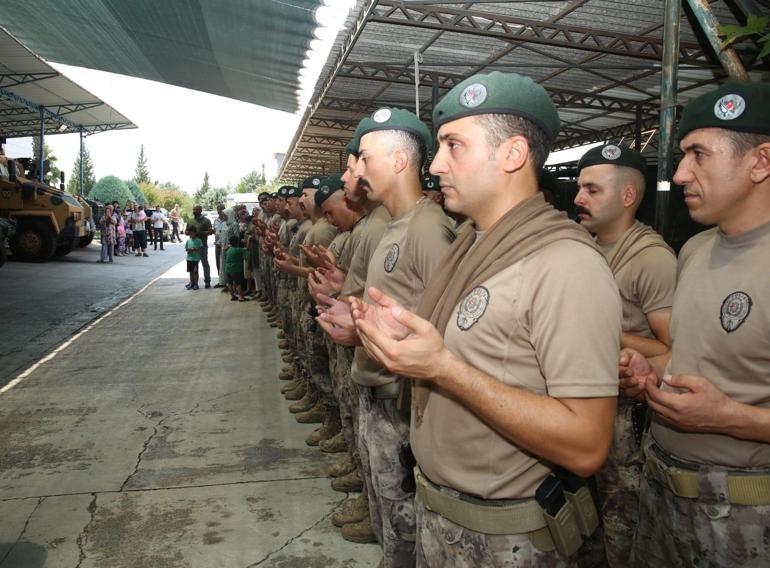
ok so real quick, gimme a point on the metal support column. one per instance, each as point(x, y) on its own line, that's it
point(41, 159)
point(81, 162)
point(417, 61)
point(668, 87)
point(638, 129)
point(730, 61)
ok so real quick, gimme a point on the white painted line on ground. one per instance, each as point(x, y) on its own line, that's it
point(23, 375)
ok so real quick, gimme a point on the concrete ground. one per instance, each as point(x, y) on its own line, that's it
point(43, 304)
point(158, 438)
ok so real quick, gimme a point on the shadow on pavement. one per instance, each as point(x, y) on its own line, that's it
point(22, 555)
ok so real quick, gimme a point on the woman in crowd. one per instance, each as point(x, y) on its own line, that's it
point(107, 226)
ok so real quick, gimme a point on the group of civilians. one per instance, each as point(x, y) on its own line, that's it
point(125, 231)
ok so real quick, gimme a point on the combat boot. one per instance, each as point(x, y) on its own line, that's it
point(348, 483)
point(314, 437)
point(286, 374)
point(315, 415)
point(296, 394)
point(334, 445)
point(287, 357)
point(281, 334)
point(291, 385)
point(306, 403)
point(342, 467)
point(360, 532)
point(352, 511)
point(283, 344)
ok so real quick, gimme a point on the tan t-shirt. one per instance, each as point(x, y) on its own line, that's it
point(646, 283)
point(345, 258)
point(340, 245)
point(548, 324)
point(401, 265)
point(372, 231)
point(720, 328)
point(296, 240)
point(321, 233)
point(285, 234)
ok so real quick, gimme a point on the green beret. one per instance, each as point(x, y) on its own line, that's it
point(388, 118)
point(313, 182)
point(614, 155)
point(283, 191)
point(274, 195)
point(293, 192)
point(742, 107)
point(430, 183)
point(546, 180)
point(499, 93)
point(352, 146)
point(328, 186)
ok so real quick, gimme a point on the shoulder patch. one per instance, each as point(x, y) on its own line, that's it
point(392, 257)
point(735, 309)
point(472, 308)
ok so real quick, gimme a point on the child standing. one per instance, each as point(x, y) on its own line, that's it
point(234, 269)
point(193, 247)
point(121, 236)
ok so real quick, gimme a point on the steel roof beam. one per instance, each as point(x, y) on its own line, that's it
point(628, 129)
point(511, 28)
point(15, 79)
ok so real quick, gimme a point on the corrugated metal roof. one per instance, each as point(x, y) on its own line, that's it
point(599, 60)
point(249, 50)
point(24, 75)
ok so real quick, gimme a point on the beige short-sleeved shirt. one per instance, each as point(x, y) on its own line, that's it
point(720, 328)
point(340, 244)
point(401, 265)
point(321, 233)
point(375, 224)
point(548, 324)
point(646, 284)
point(345, 258)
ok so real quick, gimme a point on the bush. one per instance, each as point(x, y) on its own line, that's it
point(138, 196)
point(109, 189)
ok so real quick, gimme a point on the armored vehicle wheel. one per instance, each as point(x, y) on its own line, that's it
point(85, 241)
point(34, 242)
point(66, 247)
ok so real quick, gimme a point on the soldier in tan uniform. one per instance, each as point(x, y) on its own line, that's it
point(611, 187)
point(515, 364)
point(705, 496)
point(346, 280)
point(392, 149)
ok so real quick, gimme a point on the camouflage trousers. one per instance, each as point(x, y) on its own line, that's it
point(708, 531)
point(346, 392)
point(618, 485)
point(316, 355)
point(295, 307)
point(382, 435)
point(444, 544)
point(266, 261)
point(284, 310)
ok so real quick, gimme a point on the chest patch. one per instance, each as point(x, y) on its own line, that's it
point(734, 311)
point(392, 257)
point(472, 308)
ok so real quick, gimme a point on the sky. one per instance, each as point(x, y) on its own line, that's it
point(187, 133)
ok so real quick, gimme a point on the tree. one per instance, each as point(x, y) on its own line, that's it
point(214, 197)
point(202, 190)
point(150, 191)
point(137, 194)
point(142, 173)
point(89, 178)
point(109, 189)
point(53, 171)
point(249, 182)
point(755, 26)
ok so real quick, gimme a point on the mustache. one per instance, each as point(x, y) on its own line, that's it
point(364, 183)
point(579, 210)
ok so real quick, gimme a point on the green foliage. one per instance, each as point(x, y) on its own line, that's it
point(150, 191)
point(109, 189)
point(142, 172)
point(249, 182)
point(202, 190)
point(755, 25)
point(89, 178)
point(137, 194)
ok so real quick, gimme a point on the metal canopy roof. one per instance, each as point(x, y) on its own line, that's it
point(600, 60)
point(250, 50)
point(27, 81)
